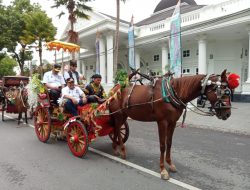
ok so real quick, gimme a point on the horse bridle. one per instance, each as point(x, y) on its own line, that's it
point(220, 88)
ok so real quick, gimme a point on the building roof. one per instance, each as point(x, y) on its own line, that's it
point(156, 17)
point(114, 18)
point(164, 4)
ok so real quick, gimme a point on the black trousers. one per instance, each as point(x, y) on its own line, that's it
point(54, 95)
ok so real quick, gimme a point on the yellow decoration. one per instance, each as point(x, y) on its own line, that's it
point(63, 45)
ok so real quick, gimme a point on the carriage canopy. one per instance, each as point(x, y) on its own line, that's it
point(70, 47)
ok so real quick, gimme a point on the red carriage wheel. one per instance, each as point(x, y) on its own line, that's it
point(42, 123)
point(124, 131)
point(77, 138)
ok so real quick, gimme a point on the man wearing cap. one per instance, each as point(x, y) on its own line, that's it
point(72, 73)
point(94, 90)
point(54, 81)
point(74, 95)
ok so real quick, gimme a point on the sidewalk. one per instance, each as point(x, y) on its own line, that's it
point(238, 122)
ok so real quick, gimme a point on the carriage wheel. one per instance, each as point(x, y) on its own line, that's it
point(124, 131)
point(77, 138)
point(42, 124)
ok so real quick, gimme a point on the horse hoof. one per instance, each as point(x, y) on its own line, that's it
point(172, 168)
point(116, 152)
point(164, 175)
point(123, 156)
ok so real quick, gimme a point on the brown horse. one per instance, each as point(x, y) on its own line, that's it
point(19, 97)
point(21, 103)
point(146, 103)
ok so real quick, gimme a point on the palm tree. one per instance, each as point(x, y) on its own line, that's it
point(76, 8)
point(116, 48)
point(38, 29)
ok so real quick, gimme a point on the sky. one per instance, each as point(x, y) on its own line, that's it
point(140, 9)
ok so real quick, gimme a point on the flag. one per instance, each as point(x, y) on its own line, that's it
point(131, 44)
point(175, 42)
point(97, 50)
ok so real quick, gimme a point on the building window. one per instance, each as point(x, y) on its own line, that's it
point(246, 52)
point(186, 71)
point(168, 55)
point(86, 68)
point(91, 67)
point(186, 53)
point(197, 52)
point(156, 57)
point(197, 71)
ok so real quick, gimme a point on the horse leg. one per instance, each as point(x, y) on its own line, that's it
point(19, 118)
point(162, 125)
point(123, 151)
point(26, 118)
point(170, 132)
point(118, 145)
point(115, 139)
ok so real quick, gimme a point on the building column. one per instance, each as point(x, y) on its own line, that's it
point(83, 68)
point(137, 59)
point(110, 58)
point(246, 85)
point(164, 55)
point(248, 76)
point(78, 62)
point(202, 62)
point(102, 60)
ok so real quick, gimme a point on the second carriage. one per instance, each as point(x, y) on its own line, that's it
point(13, 89)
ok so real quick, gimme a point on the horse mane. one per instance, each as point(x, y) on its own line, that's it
point(188, 87)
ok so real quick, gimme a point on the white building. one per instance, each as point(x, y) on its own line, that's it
point(214, 38)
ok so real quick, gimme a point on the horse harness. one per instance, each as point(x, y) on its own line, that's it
point(152, 85)
point(219, 91)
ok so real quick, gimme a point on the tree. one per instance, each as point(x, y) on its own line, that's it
point(11, 27)
point(7, 65)
point(116, 48)
point(76, 8)
point(38, 29)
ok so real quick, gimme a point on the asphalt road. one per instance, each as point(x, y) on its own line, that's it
point(28, 164)
point(206, 159)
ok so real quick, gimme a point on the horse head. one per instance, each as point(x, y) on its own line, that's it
point(218, 89)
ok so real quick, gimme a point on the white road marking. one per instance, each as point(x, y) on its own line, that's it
point(135, 166)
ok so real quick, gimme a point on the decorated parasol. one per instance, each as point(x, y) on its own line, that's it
point(70, 47)
point(65, 46)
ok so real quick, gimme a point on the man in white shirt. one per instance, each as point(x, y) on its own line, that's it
point(74, 95)
point(54, 81)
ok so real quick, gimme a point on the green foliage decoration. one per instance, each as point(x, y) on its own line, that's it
point(37, 85)
point(122, 78)
point(94, 105)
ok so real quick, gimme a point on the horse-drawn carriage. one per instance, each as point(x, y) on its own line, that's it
point(93, 121)
point(12, 94)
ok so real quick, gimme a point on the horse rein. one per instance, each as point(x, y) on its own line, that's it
point(220, 92)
